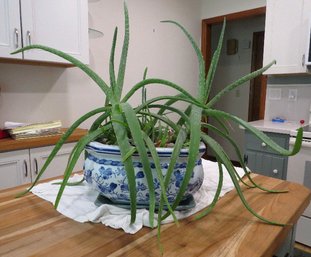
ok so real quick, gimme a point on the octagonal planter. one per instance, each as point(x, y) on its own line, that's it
point(104, 171)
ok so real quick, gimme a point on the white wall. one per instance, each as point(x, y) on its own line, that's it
point(37, 93)
point(214, 8)
point(231, 68)
point(279, 104)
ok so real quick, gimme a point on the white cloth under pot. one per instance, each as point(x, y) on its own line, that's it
point(77, 202)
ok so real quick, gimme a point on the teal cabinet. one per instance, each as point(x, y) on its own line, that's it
point(262, 159)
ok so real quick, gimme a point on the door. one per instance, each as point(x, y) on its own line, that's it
point(39, 155)
point(58, 24)
point(14, 168)
point(10, 29)
point(258, 86)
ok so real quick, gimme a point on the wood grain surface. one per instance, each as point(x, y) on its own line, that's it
point(30, 226)
point(9, 144)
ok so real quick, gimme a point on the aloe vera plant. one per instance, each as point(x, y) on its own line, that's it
point(137, 129)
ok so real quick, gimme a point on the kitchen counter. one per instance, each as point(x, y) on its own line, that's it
point(9, 144)
point(276, 127)
point(30, 226)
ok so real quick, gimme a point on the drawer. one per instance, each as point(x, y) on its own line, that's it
point(271, 165)
point(254, 143)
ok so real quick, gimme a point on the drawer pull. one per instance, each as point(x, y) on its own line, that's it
point(36, 166)
point(29, 37)
point(26, 169)
point(263, 144)
point(275, 171)
point(16, 33)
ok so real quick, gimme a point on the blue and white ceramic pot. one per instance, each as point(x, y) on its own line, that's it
point(104, 171)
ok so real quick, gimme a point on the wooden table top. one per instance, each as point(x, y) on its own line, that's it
point(9, 144)
point(30, 226)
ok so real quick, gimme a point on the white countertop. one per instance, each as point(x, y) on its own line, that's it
point(286, 127)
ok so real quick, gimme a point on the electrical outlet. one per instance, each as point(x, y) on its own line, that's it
point(275, 93)
point(292, 95)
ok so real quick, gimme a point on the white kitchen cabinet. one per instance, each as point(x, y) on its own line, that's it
point(22, 166)
point(57, 166)
point(59, 24)
point(14, 168)
point(287, 30)
point(10, 31)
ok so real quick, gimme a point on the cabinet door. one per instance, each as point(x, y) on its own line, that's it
point(57, 167)
point(14, 168)
point(284, 34)
point(10, 30)
point(58, 24)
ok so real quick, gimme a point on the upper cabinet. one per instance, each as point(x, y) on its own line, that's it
point(287, 33)
point(10, 30)
point(58, 24)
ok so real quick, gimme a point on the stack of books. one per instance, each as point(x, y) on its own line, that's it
point(35, 130)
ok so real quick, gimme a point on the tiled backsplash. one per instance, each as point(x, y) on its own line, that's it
point(289, 98)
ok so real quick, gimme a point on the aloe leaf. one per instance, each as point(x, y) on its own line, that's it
point(182, 114)
point(122, 65)
point(144, 93)
point(237, 83)
point(160, 98)
point(202, 88)
point(129, 153)
point(223, 126)
point(170, 102)
point(59, 144)
point(194, 143)
point(218, 150)
point(214, 63)
point(181, 137)
point(137, 136)
point(160, 82)
point(94, 76)
point(181, 121)
point(259, 134)
point(217, 194)
point(236, 148)
point(97, 123)
point(76, 152)
point(164, 119)
point(125, 148)
point(111, 61)
point(241, 161)
point(160, 177)
point(70, 183)
point(180, 140)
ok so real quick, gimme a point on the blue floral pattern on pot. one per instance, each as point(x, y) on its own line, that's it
point(104, 171)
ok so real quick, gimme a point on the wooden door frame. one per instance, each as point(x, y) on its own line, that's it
point(206, 31)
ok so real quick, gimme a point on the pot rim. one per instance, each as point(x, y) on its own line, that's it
point(114, 149)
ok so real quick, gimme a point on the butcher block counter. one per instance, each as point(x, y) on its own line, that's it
point(9, 144)
point(30, 226)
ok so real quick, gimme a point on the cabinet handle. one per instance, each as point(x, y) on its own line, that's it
point(245, 159)
point(303, 60)
point(263, 144)
point(29, 37)
point(26, 169)
point(36, 166)
point(16, 34)
point(275, 171)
